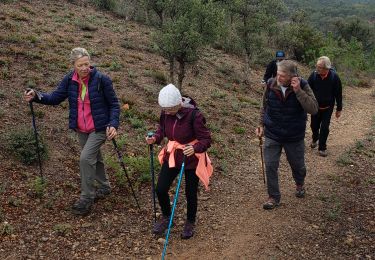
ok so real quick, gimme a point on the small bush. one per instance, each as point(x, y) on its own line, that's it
point(159, 77)
point(115, 66)
point(344, 159)
point(136, 123)
point(13, 201)
point(38, 185)
point(217, 94)
point(105, 4)
point(239, 130)
point(6, 229)
point(62, 229)
point(140, 166)
point(22, 144)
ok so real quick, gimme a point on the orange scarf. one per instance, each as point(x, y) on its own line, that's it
point(203, 171)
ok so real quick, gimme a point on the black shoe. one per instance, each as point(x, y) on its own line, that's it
point(300, 191)
point(161, 226)
point(188, 231)
point(323, 153)
point(82, 207)
point(271, 203)
point(101, 193)
point(314, 144)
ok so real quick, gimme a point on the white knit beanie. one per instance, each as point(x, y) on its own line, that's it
point(169, 96)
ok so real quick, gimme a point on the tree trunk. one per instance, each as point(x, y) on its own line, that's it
point(161, 17)
point(171, 70)
point(181, 74)
point(247, 67)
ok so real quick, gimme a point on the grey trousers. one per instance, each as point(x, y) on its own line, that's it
point(295, 153)
point(91, 163)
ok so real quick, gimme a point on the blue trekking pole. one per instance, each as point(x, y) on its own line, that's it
point(150, 135)
point(174, 206)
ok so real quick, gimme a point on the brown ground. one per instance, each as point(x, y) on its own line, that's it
point(334, 221)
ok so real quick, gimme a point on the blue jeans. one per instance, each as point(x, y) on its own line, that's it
point(295, 153)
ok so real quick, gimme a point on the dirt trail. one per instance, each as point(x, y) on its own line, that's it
point(236, 227)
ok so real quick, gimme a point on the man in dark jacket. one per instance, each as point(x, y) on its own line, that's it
point(271, 69)
point(94, 114)
point(327, 89)
point(286, 101)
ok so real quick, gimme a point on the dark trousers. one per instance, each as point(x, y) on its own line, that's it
point(320, 127)
point(165, 180)
point(295, 154)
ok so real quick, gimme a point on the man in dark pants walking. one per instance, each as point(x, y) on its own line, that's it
point(286, 101)
point(327, 89)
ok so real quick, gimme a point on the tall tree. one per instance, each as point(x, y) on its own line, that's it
point(256, 17)
point(191, 25)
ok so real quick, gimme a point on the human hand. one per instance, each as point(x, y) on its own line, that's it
point(188, 150)
point(296, 84)
point(111, 132)
point(259, 131)
point(150, 139)
point(338, 114)
point(29, 94)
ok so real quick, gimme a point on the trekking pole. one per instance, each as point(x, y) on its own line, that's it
point(36, 139)
point(150, 135)
point(174, 206)
point(262, 158)
point(119, 156)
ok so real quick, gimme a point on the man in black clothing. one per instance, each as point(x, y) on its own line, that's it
point(327, 89)
point(271, 69)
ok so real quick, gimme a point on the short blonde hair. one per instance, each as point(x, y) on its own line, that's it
point(326, 62)
point(78, 53)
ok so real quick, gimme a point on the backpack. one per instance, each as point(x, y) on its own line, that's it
point(331, 77)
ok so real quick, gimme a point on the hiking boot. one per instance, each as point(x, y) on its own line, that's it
point(188, 231)
point(101, 193)
point(323, 153)
point(314, 144)
point(82, 207)
point(271, 203)
point(300, 191)
point(161, 225)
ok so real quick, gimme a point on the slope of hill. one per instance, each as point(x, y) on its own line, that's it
point(35, 40)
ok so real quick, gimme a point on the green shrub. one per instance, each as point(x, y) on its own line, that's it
point(158, 76)
point(140, 166)
point(115, 66)
point(239, 130)
point(6, 229)
point(22, 144)
point(38, 186)
point(136, 123)
point(105, 4)
point(217, 94)
point(62, 229)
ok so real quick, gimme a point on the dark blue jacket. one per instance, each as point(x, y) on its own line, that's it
point(284, 117)
point(104, 104)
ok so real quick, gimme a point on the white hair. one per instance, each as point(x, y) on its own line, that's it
point(326, 62)
point(78, 53)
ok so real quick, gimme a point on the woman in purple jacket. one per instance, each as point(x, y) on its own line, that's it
point(180, 121)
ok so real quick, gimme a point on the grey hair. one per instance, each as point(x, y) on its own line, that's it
point(78, 53)
point(288, 66)
point(326, 62)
